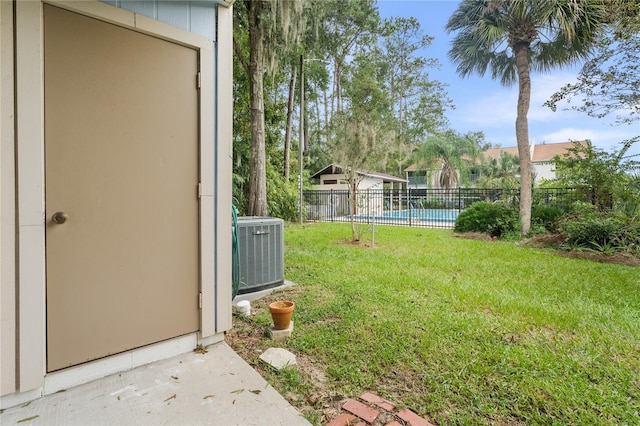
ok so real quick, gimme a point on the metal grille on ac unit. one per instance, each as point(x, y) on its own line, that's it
point(261, 242)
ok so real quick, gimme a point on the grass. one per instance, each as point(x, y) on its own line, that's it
point(462, 331)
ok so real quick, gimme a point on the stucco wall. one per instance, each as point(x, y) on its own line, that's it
point(544, 171)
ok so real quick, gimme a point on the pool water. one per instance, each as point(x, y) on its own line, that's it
point(423, 214)
point(434, 215)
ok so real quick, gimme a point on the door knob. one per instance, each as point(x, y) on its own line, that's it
point(59, 217)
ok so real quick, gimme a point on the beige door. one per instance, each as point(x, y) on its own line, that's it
point(121, 146)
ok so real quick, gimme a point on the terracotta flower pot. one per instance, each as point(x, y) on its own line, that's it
point(281, 312)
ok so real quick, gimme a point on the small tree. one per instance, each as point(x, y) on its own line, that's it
point(603, 174)
point(356, 147)
point(362, 133)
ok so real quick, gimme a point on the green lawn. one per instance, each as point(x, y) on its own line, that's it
point(466, 331)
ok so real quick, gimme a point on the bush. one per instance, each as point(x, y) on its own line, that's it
point(495, 219)
point(581, 208)
point(431, 204)
point(545, 216)
point(590, 231)
point(601, 233)
point(282, 197)
point(628, 237)
point(605, 232)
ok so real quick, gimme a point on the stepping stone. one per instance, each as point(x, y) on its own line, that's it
point(278, 358)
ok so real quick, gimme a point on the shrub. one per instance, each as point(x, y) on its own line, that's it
point(282, 196)
point(601, 233)
point(605, 232)
point(431, 204)
point(581, 208)
point(545, 216)
point(495, 219)
point(590, 231)
point(628, 237)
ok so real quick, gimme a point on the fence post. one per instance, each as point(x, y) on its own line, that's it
point(459, 198)
point(368, 204)
point(332, 205)
point(409, 205)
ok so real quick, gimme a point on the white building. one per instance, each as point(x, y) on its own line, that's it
point(334, 178)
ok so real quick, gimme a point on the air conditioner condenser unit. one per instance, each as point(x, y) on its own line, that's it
point(261, 246)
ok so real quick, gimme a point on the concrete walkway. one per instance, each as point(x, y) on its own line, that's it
point(215, 388)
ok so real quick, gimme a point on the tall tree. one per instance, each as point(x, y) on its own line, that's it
point(273, 26)
point(349, 25)
point(287, 135)
point(406, 77)
point(513, 37)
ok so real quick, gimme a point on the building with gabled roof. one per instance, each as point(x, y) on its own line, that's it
point(334, 177)
point(333, 191)
point(542, 156)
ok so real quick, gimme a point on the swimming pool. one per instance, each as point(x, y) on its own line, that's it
point(428, 215)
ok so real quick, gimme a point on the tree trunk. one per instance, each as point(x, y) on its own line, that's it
point(306, 133)
point(327, 133)
point(522, 135)
point(287, 136)
point(353, 185)
point(258, 170)
point(338, 77)
point(318, 128)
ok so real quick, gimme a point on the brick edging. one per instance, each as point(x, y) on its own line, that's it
point(366, 409)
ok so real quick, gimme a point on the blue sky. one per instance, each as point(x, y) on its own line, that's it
point(483, 104)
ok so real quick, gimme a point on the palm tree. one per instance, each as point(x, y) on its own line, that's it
point(449, 155)
point(500, 172)
point(513, 37)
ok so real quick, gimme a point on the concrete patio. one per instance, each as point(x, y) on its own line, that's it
point(213, 388)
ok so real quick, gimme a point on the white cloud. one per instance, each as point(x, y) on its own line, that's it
point(607, 139)
point(568, 134)
point(498, 107)
point(542, 88)
point(491, 108)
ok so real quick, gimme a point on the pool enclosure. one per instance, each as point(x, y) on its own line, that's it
point(429, 208)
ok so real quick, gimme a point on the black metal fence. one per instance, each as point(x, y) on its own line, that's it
point(429, 208)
